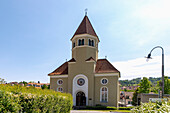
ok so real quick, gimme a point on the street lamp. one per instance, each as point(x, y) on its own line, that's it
point(149, 57)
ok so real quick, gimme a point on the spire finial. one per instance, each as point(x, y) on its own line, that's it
point(86, 11)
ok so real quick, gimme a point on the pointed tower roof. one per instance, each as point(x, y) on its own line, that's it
point(85, 28)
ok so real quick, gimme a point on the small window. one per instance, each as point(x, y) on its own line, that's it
point(60, 82)
point(74, 44)
point(80, 42)
point(60, 89)
point(91, 42)
point(104, 81)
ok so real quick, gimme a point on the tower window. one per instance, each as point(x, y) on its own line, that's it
point(91, 42)
point(80, 42)
point(74, 44)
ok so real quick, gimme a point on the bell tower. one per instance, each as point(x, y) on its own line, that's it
point(85, 42)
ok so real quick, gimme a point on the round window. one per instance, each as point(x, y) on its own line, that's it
point(104, 81)
point(80, 81)
point(60, 89)
point(60, 82)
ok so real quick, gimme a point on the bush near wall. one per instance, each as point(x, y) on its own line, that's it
point(29, 99)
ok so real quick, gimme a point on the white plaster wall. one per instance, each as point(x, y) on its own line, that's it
point(77, 88)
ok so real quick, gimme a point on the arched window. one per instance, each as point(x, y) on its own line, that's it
point(74, 44)
point(91, 42)
point(104, 94)
point(60, 89)
point(80, 42)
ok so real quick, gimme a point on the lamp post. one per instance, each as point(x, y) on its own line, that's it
point(149, 57)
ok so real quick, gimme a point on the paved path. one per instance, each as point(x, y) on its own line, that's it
point(79, 111)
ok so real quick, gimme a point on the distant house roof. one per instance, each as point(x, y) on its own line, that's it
point(85, 27)
point(102, 66)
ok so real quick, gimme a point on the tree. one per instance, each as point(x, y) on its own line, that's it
point(2, 81)
point(145, 85)
point(166, 85)
point(134, 98)
point(125, 89)
point(24, 82)
point(44, 87)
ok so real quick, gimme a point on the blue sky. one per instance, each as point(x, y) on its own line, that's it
point(35, 35)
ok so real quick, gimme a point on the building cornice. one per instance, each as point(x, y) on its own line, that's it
point(84, 36)
point(108, 74)
point(59, 76)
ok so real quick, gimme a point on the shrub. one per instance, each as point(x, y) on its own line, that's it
point(163, 107)
point(125, 108)
point(22, 99)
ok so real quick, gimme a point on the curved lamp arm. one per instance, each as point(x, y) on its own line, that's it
point(149, 57)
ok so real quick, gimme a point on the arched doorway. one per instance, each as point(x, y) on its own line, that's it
point(80, 99)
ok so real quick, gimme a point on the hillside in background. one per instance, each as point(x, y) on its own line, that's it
point(136, 81)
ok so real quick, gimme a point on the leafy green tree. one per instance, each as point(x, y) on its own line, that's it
point(145, 85)
point(134, 98)
point(48, 86)
point(2, 81)
point(44, 87)
point(166, 85)
point(125, 89)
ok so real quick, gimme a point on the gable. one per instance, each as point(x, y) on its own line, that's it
point(104, 66)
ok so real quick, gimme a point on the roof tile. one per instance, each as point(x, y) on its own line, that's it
point(85, 28)
point(104, 66)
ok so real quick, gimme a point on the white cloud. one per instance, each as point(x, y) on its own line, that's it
point(139, 67)
point(157, 10)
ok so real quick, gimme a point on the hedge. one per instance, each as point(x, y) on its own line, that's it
point(125, 108)
point(29, 99)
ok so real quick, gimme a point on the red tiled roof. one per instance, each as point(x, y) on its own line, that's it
point(102, 66)
point(85, 28)
point(63, 69)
